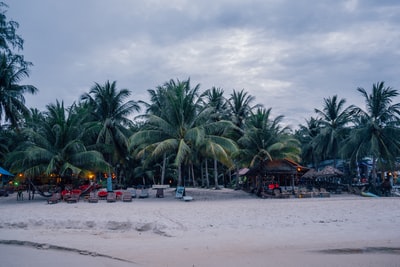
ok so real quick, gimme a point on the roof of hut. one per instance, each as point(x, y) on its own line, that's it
point(329, 171)
point(310, 174)
point(279, 166)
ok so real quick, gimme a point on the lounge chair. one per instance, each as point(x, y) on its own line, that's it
point(102, 194)
point(187, 198)
point(126, 196)
point(315, 192)
point(324, 193)
point(278, 193)
point(133, 192)
point(118, 195)
point(286, 194)
point(111, 197)
point(93, 198)
point(303, 193)
point(180, 192)
point(55, 198)
point(74, 198)
point(144, 193)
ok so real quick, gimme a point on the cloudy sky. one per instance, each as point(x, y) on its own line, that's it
point(289, 54)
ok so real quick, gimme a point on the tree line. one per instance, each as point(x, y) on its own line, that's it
point(182, 135)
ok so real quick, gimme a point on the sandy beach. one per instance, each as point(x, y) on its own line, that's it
point(218, 228)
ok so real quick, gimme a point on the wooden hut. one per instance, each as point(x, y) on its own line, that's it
point(280, 172)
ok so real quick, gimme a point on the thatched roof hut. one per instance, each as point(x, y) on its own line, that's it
point(282, 171)
point(329, 171)
point(312, 173)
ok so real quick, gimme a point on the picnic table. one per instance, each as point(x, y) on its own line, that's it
point(160, 189)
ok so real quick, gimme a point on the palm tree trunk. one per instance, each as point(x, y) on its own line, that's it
point(207, 178)
point(216, 173)
point(202, 175)
point(237, 175)
point(179, 175)
point(163, 168)
point(373, 171)
point(194, 180)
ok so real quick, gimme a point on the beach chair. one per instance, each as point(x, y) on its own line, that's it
point(102, 194)
point(133, 192)
point(304, 193)
point(118, 195)
point(278, 193)
point(93, 198)
point(144, 193)
point(74, 198)
point(180, 192)
point(187, 198)
point(111, 197)
point(55, 198)
point(126, 196)
point(324, 193)
point(286, 194)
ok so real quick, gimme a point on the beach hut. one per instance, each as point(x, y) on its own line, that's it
point(329, 178)
point(281, 172)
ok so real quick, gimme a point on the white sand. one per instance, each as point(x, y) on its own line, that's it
point(218, 228)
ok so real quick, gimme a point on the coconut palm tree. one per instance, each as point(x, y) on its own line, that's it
point(264, 139)
point(55, 146)
point(178, 127)
point(12, 100)
point(306, 134)
point(333, 119)
point(171, 129)
point(214, 98)
point(240, 107)
point(376, 132)
point(9, 39)
point(110, 110)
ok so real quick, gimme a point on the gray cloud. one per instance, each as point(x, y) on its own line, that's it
point(289, 54)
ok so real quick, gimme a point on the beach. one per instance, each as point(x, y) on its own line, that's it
point(218, 228)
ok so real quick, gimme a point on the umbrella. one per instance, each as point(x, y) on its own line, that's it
point(4, 172)
point(329, 171)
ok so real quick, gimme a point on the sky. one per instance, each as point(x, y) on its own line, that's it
point(289, 55)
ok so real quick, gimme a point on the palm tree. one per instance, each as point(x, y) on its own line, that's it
point(9, 39)
point(376, 133)
point(264, 139)
point(306, 134)
point(110, 119)
point(214, 98)
point(55, 146)
point(332, 122)
point(12, 100)
point(240, 107)
point(171, 129)
point(177, 127)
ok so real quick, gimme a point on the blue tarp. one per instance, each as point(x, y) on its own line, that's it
point(4, 172)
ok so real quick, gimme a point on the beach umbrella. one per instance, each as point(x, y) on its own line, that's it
point(5, 172)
